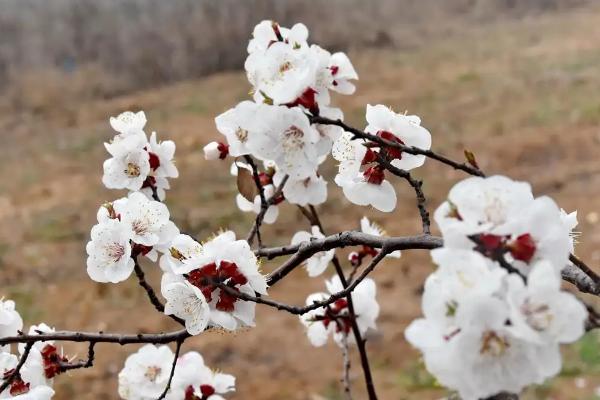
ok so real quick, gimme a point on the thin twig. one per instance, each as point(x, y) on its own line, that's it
point(305, 250)
point(255, 231)
point(81, 364)
point(417, 186)
point(173, 366)
point(360, 342)
point(407, 149)
point(346, 368)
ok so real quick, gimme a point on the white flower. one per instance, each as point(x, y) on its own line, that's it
point(128, 171)
point(161, 157)
point(148, 220)
point(246, 206)
point(129, 122)
point(109, 252)
point(362, 188)
point(146, 373)
point(461, 276)
point(334, 72)
point(266, 33)
point(480, 205)
point(342, 72)
point(238, 125)
point(317, 263)
point(10, 320)
point(399, 128)
point(490, 359)
point(335, 319)
point(540, 311)
point(192, 377)
point(185, 301)
point(180, 248)
point(310, 190)
point(290, 141)
point(122, 144)
point(281, 73)
point(500, 217)
point(232, 263)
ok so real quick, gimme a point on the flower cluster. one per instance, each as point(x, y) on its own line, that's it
point(136, 163)
point(35, 378)
point(361, 172)
point(146, 374)
point(202, 282)
point(494, 306)
point(127, 227)
point(291, 84)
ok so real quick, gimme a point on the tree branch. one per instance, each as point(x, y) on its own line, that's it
point(407, 149)
point(305, 250)
point(100, 337)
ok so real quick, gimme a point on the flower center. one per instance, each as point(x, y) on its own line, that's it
point(152, 373)
point(493, 344)
point(286, 66)
point(114, 251)
point(133, 170)
point(241, 134)
point(293, 139)
point(140, 226)
point(538, 316)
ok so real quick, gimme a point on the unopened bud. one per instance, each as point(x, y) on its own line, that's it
point(216, 151)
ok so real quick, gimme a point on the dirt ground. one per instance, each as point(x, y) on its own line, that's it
point(523, 96)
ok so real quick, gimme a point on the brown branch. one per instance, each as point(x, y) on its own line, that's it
point(360, 342)
point(139, 272)
point(81, 364)
point(173, 366)
point(407, 149)
point(305, 250)
point(583, 267)
point(100, 337)
point(255, 231)
point(417, 186)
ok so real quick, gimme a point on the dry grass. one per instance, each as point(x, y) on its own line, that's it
point(522, 95)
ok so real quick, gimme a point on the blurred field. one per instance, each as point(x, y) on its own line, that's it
point(524, 95)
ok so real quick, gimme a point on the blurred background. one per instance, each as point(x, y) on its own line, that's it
point(515, 81)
